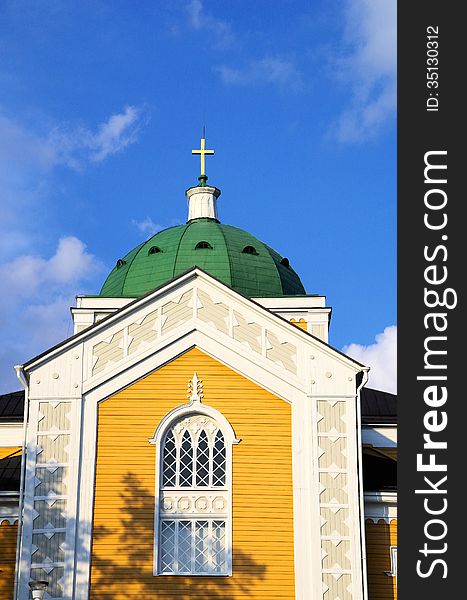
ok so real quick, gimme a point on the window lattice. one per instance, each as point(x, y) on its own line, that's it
point(218, 472)
point(194, 454)
point(202, 460)
point(170, 461)
point(193, 512)
point(186, 461)
point(193, 546)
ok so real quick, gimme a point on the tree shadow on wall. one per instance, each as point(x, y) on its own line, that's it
point(122, 558)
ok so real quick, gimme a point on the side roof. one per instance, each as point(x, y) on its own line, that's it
point(378, 407)
point(12, 407)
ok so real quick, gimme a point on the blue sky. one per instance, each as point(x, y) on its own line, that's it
point(103, 101)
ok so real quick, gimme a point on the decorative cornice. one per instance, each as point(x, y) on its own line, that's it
point(9, 520)
point(380, 506)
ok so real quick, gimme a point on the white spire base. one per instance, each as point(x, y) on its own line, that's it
point(202, 202)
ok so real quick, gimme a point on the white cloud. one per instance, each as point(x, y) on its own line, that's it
point(218, 30)
point(271, 69)
point(118, 132)
point(29, 155)
point(368, 69)
point(28, 275)
point(275, 70)
point(34, 305)
point(25, 150)
point(381, 357)
point(195, 13)
point(147, 226)
point(76, 146)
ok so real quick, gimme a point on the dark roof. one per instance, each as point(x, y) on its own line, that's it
point(10, 469)
point(378, 407)
point(12, 407)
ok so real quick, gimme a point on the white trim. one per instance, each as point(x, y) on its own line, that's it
point(382, 497)
point(19, 538)
point(380, 436)
point(72, 498)
point(355, 465)
point(100, 303)
point(185, 410)
point(85, 492)
point(28, 503)
point(308, 303)
point(9, 505)
point(12, 519)
point(361, 506)
point(11, 435)
point(393, 555)
point(315, 559)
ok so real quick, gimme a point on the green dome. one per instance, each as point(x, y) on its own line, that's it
point(231, 254)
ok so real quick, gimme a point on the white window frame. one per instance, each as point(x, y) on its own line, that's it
point(191, 409)
point(393, 555)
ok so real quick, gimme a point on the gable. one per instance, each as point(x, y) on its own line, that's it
point(195, 302)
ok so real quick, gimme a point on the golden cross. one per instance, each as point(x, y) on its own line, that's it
point(202, 152)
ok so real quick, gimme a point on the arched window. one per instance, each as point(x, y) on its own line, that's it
point(250, 250)
point(194, 523)
point(203, 246)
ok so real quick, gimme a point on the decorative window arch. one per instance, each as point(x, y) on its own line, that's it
point(193, 511)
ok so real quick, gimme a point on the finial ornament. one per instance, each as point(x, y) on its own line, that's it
point(195, 389)
point(202, 152)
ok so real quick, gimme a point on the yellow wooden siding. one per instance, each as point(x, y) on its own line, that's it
point(379, 538)
point(301, 323)
point(122, 554)
point(8, 535)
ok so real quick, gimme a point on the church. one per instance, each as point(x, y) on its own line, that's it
point(198, 437)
